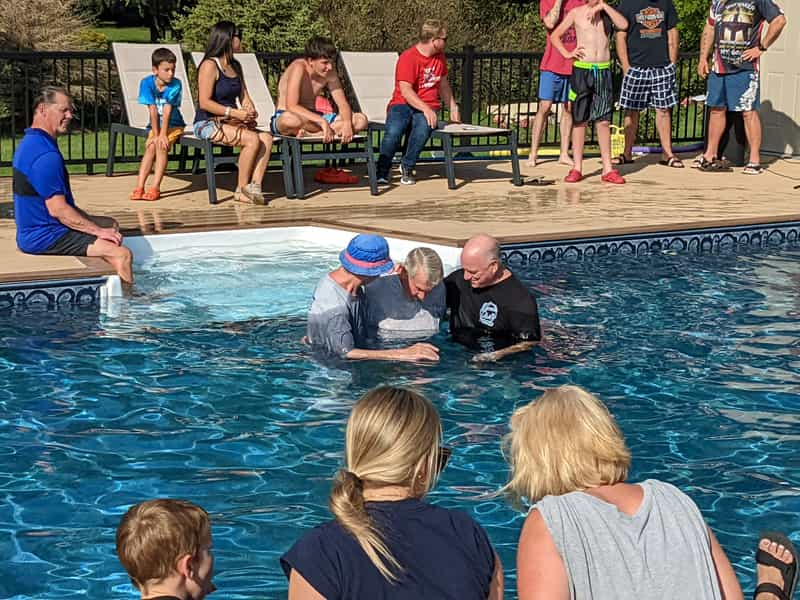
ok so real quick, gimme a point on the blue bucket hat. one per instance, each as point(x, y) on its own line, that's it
point(367, 255)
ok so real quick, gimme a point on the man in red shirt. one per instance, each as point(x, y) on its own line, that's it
point(420, 79)
point(555, 71)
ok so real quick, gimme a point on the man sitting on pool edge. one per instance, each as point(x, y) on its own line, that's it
point(337, 320)
point(409, 303)
point(485, 298)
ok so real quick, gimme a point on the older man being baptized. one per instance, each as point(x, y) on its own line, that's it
point(410, 302)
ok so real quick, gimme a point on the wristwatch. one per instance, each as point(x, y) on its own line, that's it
point(762, 47)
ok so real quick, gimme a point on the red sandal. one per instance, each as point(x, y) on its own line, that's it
point(137, 194)
point(574, 176)
point(151, 195)
point(613, 176)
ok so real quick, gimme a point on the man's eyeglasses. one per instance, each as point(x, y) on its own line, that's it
point(444, 456)
point(444, 39)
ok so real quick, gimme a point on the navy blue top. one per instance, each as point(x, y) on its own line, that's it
point(226, 91)
point(445, 554)
point(39, 174)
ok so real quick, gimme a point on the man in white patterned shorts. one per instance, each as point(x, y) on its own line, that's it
point(734, 31)
point(648, 51)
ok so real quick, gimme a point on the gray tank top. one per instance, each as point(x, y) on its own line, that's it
point(663, 551)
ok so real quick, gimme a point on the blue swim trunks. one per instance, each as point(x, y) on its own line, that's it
point(554, 87)
point(329, 117)
point(737, 92)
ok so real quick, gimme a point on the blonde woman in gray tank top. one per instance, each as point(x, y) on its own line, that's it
point(590, 534)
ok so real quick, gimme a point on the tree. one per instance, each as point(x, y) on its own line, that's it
point(693, 15)
point(380, 25)
point(268, 25)
point(159, 14)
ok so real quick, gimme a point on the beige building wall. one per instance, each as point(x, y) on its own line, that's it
point(780, 87)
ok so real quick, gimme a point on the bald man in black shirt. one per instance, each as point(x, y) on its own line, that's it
point(486, 299)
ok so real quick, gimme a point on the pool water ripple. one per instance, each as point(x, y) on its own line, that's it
point(199, 387)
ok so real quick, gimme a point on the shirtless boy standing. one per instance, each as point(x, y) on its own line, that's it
point(302, 81)
point(591, 91)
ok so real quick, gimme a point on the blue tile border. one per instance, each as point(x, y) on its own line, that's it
point(697, 241)
point(51, 294)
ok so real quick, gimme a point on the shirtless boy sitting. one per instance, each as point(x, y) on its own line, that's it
point(302, 81)
point(591, 91)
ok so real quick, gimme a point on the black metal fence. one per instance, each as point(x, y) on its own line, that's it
point(498, 89)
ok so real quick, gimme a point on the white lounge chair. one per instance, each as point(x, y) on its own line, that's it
point(372, 76)
point(133, 62)
point(264, 105)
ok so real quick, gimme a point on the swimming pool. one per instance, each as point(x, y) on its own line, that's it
point(199, 388)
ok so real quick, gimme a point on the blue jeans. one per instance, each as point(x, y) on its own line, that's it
point(399, 119)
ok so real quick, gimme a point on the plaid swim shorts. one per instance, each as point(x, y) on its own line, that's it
point(643, 87)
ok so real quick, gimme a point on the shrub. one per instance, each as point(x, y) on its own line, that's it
point(40, 25)
point(268, 25)
point(380, 25)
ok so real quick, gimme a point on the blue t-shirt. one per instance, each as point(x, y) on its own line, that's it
point(149, 95)
point(445, 554)
point(39, 173)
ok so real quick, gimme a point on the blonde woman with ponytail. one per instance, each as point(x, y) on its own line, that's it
point(385, 542)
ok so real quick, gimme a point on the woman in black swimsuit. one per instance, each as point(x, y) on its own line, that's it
point(220, 84)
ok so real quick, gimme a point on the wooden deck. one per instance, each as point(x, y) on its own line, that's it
point(656, 198)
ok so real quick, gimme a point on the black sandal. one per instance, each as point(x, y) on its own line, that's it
point(714, 166)
point(788, 570)
point(621, 159)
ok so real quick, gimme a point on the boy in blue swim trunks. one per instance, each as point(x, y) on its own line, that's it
point(591, 91)
point(554, 74)
point(302, 81)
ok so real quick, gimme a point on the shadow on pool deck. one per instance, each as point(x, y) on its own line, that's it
point(656, 198)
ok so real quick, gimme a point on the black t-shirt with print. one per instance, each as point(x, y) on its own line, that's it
point(506, 311)
point(648, 23)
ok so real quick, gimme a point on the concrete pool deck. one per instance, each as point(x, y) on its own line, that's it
point(655, 199)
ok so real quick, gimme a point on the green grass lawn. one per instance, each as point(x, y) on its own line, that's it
point(124, 34)
point(92, 146)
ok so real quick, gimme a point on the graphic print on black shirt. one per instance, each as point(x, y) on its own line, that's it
point(506, 311)
point(648, 24)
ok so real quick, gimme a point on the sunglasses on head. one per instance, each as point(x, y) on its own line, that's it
point(238, 33)
point(444, 456)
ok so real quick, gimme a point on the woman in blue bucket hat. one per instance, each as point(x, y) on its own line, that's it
point(336, 319)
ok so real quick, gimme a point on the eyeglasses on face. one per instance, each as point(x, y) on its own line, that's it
point(444, 456)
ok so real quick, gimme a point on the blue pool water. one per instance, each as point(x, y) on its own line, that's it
point(199, 388)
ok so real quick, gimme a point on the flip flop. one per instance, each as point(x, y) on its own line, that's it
point(538, 180)
point(788, 571)
point(753, 169)
point(621, 159)
point(672, 161)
